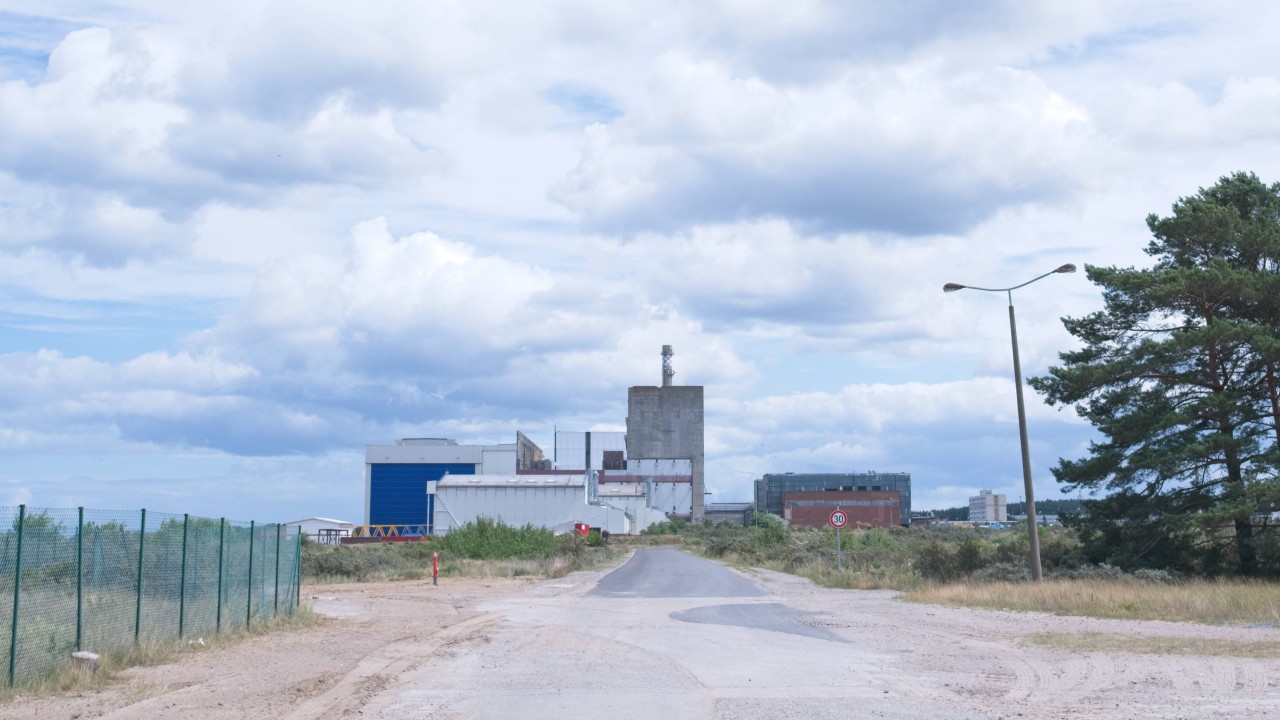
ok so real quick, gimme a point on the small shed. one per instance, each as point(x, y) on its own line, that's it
point(323, 530)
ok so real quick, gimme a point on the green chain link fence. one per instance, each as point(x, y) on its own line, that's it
point(105, 581)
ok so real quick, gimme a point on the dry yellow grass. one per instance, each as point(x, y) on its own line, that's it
point(1233, 602)
point(1155, 645)
point(112, 663)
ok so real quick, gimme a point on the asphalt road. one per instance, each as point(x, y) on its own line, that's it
point(670, 573)
point(667, 636)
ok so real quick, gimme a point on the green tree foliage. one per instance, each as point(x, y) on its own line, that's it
point(1043, 507)
point(1179, 373)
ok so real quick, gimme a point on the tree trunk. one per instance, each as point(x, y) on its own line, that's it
point(1246, 553)
point(1275, 400)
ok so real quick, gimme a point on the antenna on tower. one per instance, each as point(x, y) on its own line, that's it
point(667, 371)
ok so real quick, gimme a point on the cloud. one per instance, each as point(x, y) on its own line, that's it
point(25, 42)
point(1172, 115)
point(130, 125)
point(777, 189)
point(420, 329)
point(960, 434)
point(908, 150)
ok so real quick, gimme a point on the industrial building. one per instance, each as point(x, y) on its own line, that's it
point(322, 530)
point(731, 513)
point(555, 502)
point(396, 476)
point(987, 506)
point(615, 481)
point(669, 484)
point(591, 450)
point(868, 499)
point(666, 423)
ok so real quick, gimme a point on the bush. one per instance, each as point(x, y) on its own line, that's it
point(351, 562)
point(485, 539)
point(1101, 571)
point(1002, 572)
point(1155, 576)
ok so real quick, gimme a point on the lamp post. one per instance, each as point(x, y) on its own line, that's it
point(1033, 530)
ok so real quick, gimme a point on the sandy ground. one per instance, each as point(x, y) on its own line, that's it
point(468, 646)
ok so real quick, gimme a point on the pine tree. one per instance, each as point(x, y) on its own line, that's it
point(1179, 373)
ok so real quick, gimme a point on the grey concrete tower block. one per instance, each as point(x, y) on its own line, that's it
point(667, 423)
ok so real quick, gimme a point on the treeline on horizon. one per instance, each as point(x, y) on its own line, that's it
point(1043, 507)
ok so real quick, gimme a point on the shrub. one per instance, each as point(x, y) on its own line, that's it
point(1155, 576)
point(485, 539)
point(1002, 572)
point(1101, 571)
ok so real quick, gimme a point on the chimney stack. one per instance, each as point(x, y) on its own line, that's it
point(667, 372)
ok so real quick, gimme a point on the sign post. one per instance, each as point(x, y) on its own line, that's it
point(838, 520)
point(435, 568)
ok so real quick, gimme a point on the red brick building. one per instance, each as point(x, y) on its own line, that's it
point(864, 508)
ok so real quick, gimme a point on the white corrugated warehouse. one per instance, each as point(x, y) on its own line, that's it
point(322, 529)
point(555, 502)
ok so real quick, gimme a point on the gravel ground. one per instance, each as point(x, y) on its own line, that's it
point(473, 648)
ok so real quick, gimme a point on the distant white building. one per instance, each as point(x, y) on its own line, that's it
point(321, 529)
point(555, 502)
point(987, 506)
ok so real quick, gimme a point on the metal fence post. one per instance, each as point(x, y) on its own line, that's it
point(80, 579)
point(222, 535)
point(182, 582)
point(297, 571)
point(17, 591)
point(137, 612)
point(276, 602)
point(248, 605)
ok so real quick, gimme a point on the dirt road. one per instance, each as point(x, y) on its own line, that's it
point(641, 647)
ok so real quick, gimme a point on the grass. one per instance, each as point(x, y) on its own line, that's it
point(1211, 602)
point(875, 558)
point(480, 549)
point(980, 568)
point(153, 652)
point(1155, 645)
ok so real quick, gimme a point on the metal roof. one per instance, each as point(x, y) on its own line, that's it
point(512, 481)
point(321, 519)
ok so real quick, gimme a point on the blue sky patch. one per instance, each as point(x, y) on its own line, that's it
point(584, 103)
point(1113, 45)
point(26, 42)
point(108, 331)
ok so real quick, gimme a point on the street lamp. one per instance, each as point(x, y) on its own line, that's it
point(1033, 530)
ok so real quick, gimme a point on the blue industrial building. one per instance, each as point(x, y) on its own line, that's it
point(397, 476)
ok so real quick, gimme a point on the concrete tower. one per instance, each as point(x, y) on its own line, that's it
point(666, 423)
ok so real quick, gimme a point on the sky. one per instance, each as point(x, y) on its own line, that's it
point(240, 241)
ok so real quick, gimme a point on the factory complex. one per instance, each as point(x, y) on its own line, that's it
point(616, 482)
point(870, 499)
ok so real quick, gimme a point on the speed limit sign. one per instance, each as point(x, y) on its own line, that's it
point(838, 519)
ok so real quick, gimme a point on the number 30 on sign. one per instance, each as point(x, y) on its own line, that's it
point(838, 519)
